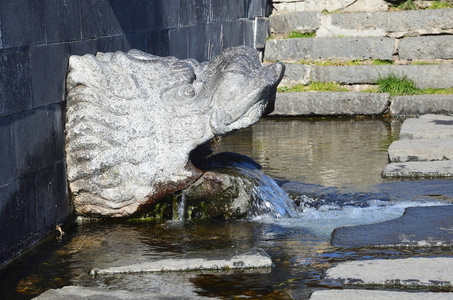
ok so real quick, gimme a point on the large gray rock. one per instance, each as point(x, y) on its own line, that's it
point(330, 103)
point(329, 48)
point(133, 119)
point(426, 47)
point(417, 105)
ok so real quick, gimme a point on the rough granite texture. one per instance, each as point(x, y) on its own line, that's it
point(377, 295)
point(417, 105)
point(133, 119)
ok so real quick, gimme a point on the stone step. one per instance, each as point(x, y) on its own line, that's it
point(435, 76)
point(422, 169)
point(360, 48)
point(330, 104)
point(428, 126)
point(421, 150)
point(370, 24)
point(366, 104)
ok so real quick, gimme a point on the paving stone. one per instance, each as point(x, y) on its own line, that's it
point(417, 105)
point(426, 47)
point(428, 126)
point(428, 226)
point(329, 48)
point(421, 150)
point(409, 272)
point(377, 295)
point(432, 169)
point(330, 104)
point(307, 21)
point(297, 74)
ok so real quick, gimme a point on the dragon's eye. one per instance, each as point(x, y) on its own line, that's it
point(187, 91)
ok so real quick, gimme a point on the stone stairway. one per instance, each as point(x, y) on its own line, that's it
point(355, 50)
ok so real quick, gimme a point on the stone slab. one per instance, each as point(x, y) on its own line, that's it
point(377, 295)
point(329, 48)
point(426, 47)
point(254, 259)
point(409, 272)
point(79, 292)
point(392, 24)
point(416, 105)
point(423, 169)
point(421, 150)
point(307, 21)
point(297, 74)
point(427, 126)
point(329, 104)
point(427, 226)
point(424, 76)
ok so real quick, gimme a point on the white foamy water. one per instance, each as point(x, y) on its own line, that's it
point(321, 221)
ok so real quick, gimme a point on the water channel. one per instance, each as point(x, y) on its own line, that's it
point(345, 156)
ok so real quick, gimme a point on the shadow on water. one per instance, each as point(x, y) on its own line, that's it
point(291, 150)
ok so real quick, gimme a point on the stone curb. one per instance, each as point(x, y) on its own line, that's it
point(408, 272)
point(367, 104)
point(377, 295)
point(360, 24)
point(427, 127)
point(330, 104)
point(424, 76)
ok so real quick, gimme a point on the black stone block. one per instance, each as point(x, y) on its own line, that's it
point(7, 166)
point(167, 13)
point(233, 34)
point(241, 9)
point(1, 40)
point(83, 47)
point(134, 16)
point(113, 43)
point(213, 32)
point(34, 139)
point(48, 68)
point(17, 215)
point(203, 8)
point(262, 32)
point(249, 32)
point(188, 13)
point(216, 11)
point(62, 19)
point(159, 42)
point(59, 113)
point(15, 81)
point(256, 8)
point(98, 19)
point(198, 42)
point(179, 40)
point(138, 41)
point(51, 197)
point(23, 23)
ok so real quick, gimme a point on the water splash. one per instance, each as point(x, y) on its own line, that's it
point(179, 209)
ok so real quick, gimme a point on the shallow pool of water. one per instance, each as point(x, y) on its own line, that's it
point(345, 153)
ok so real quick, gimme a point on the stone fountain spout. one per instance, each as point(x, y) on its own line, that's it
point(133, 118)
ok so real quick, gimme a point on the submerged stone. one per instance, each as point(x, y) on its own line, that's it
point(133, 118)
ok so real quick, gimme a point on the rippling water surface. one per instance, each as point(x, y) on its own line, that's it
point(344, 153)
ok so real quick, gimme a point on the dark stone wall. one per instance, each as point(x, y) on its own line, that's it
point(36, 40)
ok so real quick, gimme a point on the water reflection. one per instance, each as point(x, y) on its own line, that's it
point(332, 152)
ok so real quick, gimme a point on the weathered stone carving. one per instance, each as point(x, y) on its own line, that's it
point(133, 119)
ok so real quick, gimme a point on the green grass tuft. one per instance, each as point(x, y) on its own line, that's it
point(441, 4)
point(380, 62)
point(298, 35)
point(315, 87)
point(407, 5)
point(396, 86)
